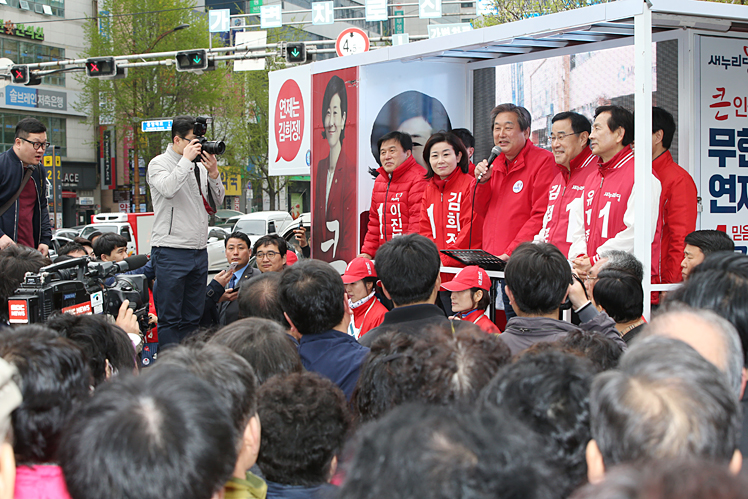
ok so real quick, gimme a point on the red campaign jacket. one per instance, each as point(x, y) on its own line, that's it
point(678, 206)
point(566, 188)
point(606, 215)
point(398, 199)
point(480, 319)
point(514, 199)
point(447, 216)
point(368, 315)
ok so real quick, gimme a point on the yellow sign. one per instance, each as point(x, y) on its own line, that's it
point(232, 182)
point(47, 160)
point(57, 161)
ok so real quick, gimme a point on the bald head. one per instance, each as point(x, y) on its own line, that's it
point(707, 333)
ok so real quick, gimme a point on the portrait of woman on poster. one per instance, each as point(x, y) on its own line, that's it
point(334, 213)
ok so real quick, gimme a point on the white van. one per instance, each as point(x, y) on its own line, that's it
point(262, 223)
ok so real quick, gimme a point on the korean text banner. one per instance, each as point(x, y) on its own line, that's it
point(289, 151)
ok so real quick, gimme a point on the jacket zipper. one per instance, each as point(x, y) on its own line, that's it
point(384, 212)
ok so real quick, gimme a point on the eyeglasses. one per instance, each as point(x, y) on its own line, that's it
point(562, 135)
point(36, 145)
point(589, 278)
point(269, 254)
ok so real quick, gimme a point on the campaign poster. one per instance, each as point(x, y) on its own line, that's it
point(723, 135)
point(289, 132)
point(417, 98)
point(334, 165)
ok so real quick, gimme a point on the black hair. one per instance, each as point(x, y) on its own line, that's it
point(264, 344)
point(54, 380)
point(336, 86)
point(579, 122)
point(719, 284)
point(271, 239)
point(15, 261)
point(602, 351)
point(402, 138)
point(93, 235)
point(70, 248)
point(83, 241)
point(305, 421)
point(170, 426)
point(457, 146)
point(259, 298)
point(100, 341)
point(538, 276)
point(710, 241)
point(524, 119)
point(401, 108)
point(620, 295)
point(549, 391)
point(182, 126)
point(426, 451)
point(238, 235)
point(107, 243)
point(408, 267)
point(312, 295)
point(664, 401)
point(231, 376)
point(662, 120)
point(27, 126)
point(484, 301)
point(465, 136)
point(619, 117)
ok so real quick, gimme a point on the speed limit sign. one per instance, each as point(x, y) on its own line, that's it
point(352, 41)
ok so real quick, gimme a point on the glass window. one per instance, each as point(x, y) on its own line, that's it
point(56, 130)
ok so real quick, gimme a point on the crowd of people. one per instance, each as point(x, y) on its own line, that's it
point(290, 380)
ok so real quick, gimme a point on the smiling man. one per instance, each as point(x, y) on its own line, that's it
point(221, 306)
point(22, 183)
point(570, 133)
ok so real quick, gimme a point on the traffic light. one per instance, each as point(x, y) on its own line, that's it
point(21, 75)
point(296, 52)
point(104, 67)
point(192, 60)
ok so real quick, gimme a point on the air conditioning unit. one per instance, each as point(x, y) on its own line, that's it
point(47, 10)
point(38, 8)
point(24, 5)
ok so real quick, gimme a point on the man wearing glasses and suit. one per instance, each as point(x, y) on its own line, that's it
point(24, 217)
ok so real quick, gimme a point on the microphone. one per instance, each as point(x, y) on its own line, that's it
point(132, 262)
point(108, 269)
point(494, 154)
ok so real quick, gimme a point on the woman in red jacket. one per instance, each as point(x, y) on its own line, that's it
point(470, 297)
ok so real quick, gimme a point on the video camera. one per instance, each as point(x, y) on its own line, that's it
point(209, 146)
point(77, 286)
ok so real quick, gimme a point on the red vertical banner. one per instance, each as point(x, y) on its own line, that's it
point(334, 165)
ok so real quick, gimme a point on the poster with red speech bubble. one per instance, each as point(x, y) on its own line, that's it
point(290, 101)
point(334, 165)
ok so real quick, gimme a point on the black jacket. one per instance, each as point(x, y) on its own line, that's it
point(11, 174)
point(409, 319)
point(225, 312)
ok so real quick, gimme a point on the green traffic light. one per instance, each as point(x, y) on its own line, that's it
point(196, 60)
point(295, 53)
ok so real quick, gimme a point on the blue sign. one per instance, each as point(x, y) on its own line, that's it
point(156, 125)
point(33, 97)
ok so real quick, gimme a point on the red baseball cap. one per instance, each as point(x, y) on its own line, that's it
point(467, 278)
point(359, 268)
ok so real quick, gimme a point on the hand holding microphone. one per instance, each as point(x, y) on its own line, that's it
point(484, 168)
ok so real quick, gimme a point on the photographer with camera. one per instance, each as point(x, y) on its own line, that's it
point(185, 188)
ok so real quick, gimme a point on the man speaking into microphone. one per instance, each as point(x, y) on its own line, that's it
point(512, 191)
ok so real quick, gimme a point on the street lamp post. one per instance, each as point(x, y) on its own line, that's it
point(136, 138)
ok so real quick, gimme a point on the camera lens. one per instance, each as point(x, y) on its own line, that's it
point(214, 147)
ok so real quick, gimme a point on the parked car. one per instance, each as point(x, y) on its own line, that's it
point(217, 249)
point(135, 227)
point(261, 223)
point(305, 220)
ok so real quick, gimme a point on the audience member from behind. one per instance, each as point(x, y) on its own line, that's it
point(425, 451)
point(15, 261)
point(549, 391)
point(175, 440)
point(664, 401)
point(470, 297)
point(268, 348)
point(10, 399)
point(314, 303)
point(54, 380)
point(305, 421)
point(72, 249)
point(538, 280)
point(360, 279)
point(234, 381)
point(709, 334)
point(700, 244)
point(408, 267)
point(603, 352)
point(668, 479)
point(259, 298)
point(107, 349)
point(621, 296)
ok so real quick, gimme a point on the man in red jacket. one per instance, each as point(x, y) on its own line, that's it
point(605, 219)
point(678, 201)
point(570, 134)
point(397, 194)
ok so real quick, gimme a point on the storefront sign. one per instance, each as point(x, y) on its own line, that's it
point(35, 98)
point(22, 30)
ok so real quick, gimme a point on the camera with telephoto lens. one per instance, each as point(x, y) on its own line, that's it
point(77, 286)
point(209, 146)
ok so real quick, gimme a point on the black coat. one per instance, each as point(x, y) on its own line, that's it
point(11, 174)
point(225, 312)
